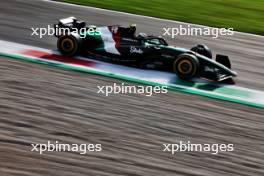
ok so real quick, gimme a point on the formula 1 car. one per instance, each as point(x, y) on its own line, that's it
point(121, 45)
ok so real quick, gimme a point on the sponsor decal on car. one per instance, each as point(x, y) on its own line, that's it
point(133, 49)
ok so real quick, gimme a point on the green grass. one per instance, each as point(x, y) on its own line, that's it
point(242, 15)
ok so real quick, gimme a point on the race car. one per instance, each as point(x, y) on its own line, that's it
point(121, 45)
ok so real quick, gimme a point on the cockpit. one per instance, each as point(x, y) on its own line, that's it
point(156, 41)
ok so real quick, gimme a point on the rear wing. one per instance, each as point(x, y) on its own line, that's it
point(67, 25)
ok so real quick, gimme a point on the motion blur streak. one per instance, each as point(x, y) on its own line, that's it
point(40, 103)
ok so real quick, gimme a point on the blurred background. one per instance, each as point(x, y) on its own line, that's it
point(242, 15)
point(40, 103)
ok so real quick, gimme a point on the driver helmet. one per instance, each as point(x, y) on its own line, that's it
point(132, 28)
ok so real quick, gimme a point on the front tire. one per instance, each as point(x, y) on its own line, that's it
point(69, 45)
point(186, 66)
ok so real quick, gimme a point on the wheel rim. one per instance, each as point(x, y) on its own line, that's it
point(67, 45)
point(185, 67)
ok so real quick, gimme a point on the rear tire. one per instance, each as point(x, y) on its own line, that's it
point(186, 66)
point(224, 60)
point(69, 45)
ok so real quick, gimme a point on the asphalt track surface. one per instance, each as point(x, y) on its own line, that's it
point(40, 103)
